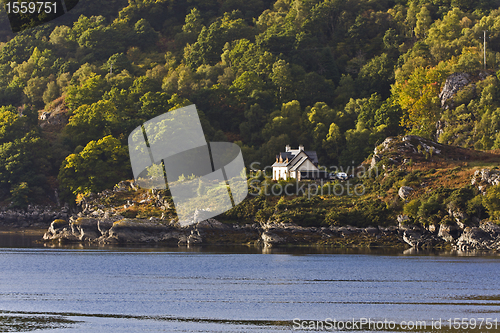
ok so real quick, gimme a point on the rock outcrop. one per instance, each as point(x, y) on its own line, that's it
point(119, 230)
point(484, 178)
point(398, 150)
point(453, 84)
point(475, 239)
point(54, 118)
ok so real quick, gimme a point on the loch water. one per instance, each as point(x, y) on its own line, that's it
point(239, 289)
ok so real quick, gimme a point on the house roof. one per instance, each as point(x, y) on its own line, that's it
point(292, 158)
point(284, 157)
point(312, 155)
point(302, 161)
point(296, 160)
point(299, 163)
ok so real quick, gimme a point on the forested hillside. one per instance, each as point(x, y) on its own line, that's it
point(336, 76)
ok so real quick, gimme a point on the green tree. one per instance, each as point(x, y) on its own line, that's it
point(100, 165)
point(444, 37)
point(145, 35)
point(492, 201)
point(282, 78)
point(83, 24)
point(91, 122)
point(285, 121)
point(11, 125)
point(34, 90)
point(51, 93)
point(24, 160)
point(193, 22)
point(346, 90)
point(376, 76)
point(211, 40)
point(90, 91)
point(333, 142)
point(101, 42)
point(423, 22)
point(153, 104)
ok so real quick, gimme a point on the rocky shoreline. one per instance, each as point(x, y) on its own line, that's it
point(119, 230)
point(33, 217)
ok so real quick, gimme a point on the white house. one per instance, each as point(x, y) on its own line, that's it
point(292, 162)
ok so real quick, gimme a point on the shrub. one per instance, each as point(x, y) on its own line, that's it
point(492, 202)
point(411, 208)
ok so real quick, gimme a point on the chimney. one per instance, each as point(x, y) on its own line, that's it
point(287, 148)
point(301, 148)
point(276, 158)
point(281, 159)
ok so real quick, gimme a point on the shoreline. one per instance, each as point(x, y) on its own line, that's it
point(23, 231)
point(346, 244)
point(117, 230)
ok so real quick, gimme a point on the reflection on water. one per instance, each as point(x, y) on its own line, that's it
point(20, 240)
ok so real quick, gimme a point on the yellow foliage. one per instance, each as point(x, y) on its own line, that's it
point(418, 96)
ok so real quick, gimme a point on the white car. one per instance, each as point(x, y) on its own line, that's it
point(342, 176)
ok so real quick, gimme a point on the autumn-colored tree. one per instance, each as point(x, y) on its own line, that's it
point(419, 98)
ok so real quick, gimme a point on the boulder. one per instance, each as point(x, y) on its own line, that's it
point(269, 238)
point(460, 217)
point(384, 145)
point(404, 192)
point(403, 220)
point(432, 228)
point(484, 178)
point(211, 224)
point(491, 228)
point(106, 223)
point(85, 228)
point(194, 239)
point(372, 230)
point(56, 226)
point(447, 232)
point(413, 238)
point(122, 186)
point(375, 159)
point(139, 231)
point(60, 230)
point(474, 239)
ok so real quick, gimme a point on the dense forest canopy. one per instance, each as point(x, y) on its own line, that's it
point(337, 76)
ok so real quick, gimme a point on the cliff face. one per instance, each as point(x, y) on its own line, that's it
point(453, 84)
